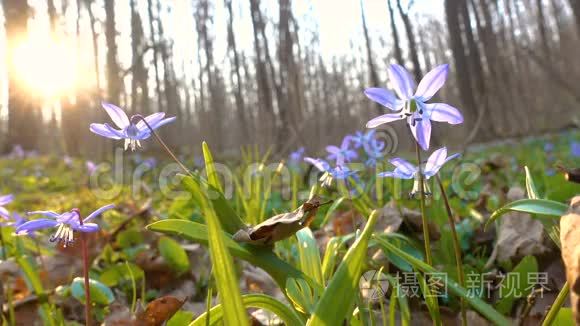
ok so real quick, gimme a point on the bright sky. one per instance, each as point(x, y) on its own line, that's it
point(337, 22)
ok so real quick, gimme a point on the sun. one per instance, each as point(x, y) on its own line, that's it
point(47, 67)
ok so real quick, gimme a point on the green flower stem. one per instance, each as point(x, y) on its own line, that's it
point(456, 247)
point(423, 215)
point(558, 303)
point(2, 244)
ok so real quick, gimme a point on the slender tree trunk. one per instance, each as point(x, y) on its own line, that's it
point(396, 42)
point(575, 5)
point(114, 85)
point(542, 29)
point(412, 42)
point(23, 120)
point(153, 36)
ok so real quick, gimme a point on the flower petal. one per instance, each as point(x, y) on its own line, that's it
point(397, 173)
point(403, 166)
point(402, 81)
point(320, 164)
point(163, 122)
point(4, 212)
point(151, 119)
point(422, 132)
point(45, 213)
point(31, 226)
point(117, 114)
point(384, 97)
point(98, 212)
point(87, 227)
point(436, 159)
point(432, 82)
point(104, 130)
point(4, 200)
point(382, 119)
point(332, 149)
point(443, 113)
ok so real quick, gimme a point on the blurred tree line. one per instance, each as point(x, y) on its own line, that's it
point(514, 67)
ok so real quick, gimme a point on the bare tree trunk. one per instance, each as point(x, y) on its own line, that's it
point(160, 106)
point(396, 42)
point(542, 29)
point(139, 87)
point(575, 5)
point(411, 40)
point(235, 74)
point(114, 85)
point(23, 119)
point(373, 76)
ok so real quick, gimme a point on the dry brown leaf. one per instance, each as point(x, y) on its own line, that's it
point(159, 311)
point(519, 235)
point(570, 239)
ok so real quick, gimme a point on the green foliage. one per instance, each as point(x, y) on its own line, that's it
point(100, 293)
point(532, 206)
point(173, 254)
point(517, 284)
point(334, 304)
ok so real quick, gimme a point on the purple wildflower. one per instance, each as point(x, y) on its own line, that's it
point(575, 149)
point(5, 200)
point(406, 170)
point(343, 153)
point(67, 223)
point(340, 172)
point(297, 155)
point(412, 106)
point(374, 150)
point(91, 167)
point(131, 132)
point(548, 147)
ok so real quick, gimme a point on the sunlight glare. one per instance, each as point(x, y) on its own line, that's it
point(46, 66)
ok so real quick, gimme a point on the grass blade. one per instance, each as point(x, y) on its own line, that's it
point(334, 304)
point(308, 255)
point(287, 315)
point(532, 206)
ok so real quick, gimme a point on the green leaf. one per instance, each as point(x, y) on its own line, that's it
point(229, 219)
point(331, 210)
point(565, 317)
point(309, 255)
point(302, 295)
point(173, 254)
point(180, 318)
point(532, 206)
point(337, 299)
point(287, 315)
point(430, 300)
point(516, 284)
point(212, 176)
point(117, 273)
point(261, 257)
point(223, 269)
point(100, 293)
point(330, 257)
point(35, 283)
point(479, 305)
point(530, 185)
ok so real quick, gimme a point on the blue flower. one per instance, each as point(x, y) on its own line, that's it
point(413, 106)
point(374, 150)
point(131, 132)
point(406, 170)
point(67, 223)
point(341, 154)
point(340, 172)
point(575, 149)
point(5, 200)
point(548, 147)
point(296, 156)
point(91, 167)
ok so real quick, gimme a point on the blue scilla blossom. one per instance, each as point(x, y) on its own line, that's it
point(360, 139)
point(67, 223)
point(575, 149)
point(375, 151)
point(5, 200)
point(343, 153)
point(339, 172)
point(413, 106)
point(296, 156)
point(130, 131)
point(548, 147)
point(406, 170)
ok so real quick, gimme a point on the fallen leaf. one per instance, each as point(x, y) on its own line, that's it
point(159, 311)
point(570, 239)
